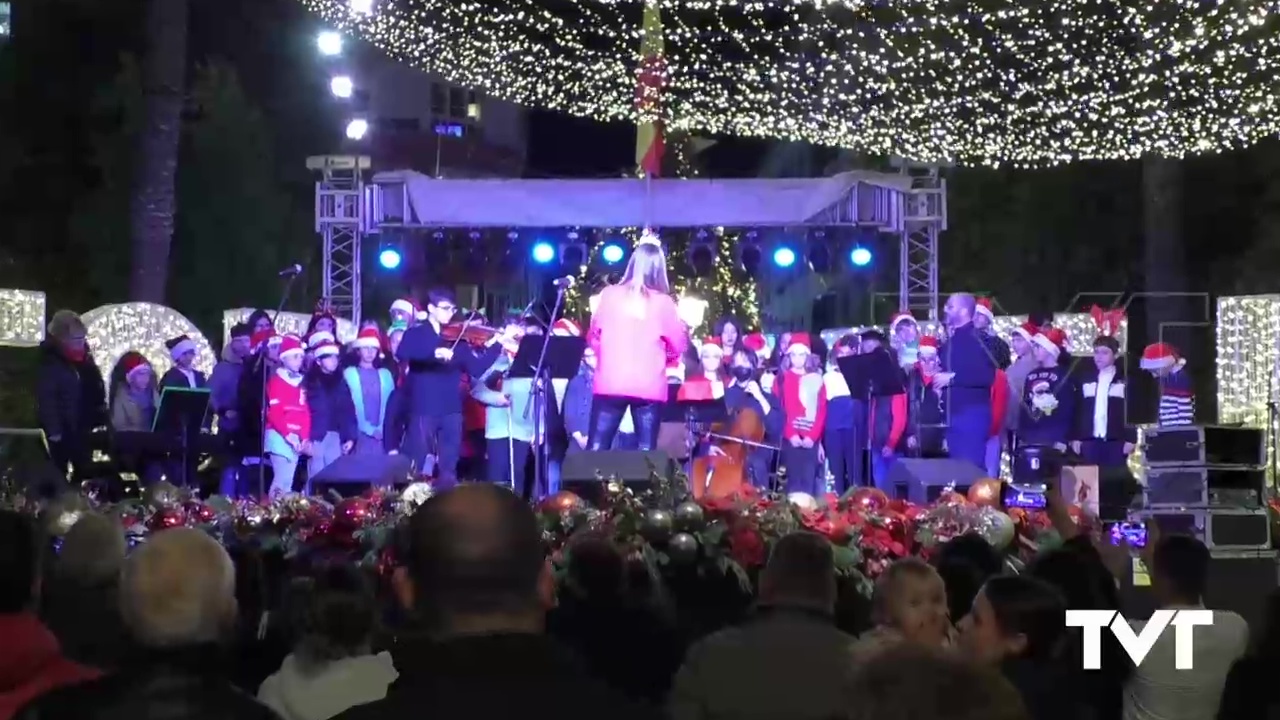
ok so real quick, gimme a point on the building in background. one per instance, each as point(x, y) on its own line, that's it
point(6, 20)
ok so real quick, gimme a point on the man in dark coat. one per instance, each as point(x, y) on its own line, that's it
point(71, 397)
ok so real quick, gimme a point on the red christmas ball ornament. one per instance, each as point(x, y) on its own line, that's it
point(895, 523)
point(563, 501)
point(198, 512)
point(166, 518)
point(352, 514)
point(869, 499)
point(985, 492)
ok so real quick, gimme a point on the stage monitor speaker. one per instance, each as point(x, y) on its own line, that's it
point(351, 474)
point(924, 480)
point(581, 471)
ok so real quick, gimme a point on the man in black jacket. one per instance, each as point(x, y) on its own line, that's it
point(478, 581)
point(432, 392)
point(71, 397)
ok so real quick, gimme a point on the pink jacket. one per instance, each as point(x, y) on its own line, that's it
point(631, 351)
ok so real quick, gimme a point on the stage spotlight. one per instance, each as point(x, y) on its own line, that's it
point(357, 129)
point(341, 86)
point(543, 253)
point(701, 255)
point(784, 257)
point(573, 254)
point(389, 259)
point(329, 43)
point(819, 254)
point(860, 257)
point(612, 253)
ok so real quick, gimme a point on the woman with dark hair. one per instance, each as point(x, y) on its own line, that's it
point(332, 666)
point(1247, 692)
point(635, 331)
point(729, 330)
point(259, 321)
point(1016, 624)
point(965, 564)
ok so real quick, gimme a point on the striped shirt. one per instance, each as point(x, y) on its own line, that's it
point(1177, 399)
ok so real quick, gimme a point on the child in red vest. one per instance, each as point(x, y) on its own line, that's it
point(288, 417)
point(803, 397)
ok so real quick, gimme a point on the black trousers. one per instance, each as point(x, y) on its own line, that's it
point(441, 434)
point(606, 417)
point(845, 457)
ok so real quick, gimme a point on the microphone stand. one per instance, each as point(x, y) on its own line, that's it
point(537, 398)
point(262, 401)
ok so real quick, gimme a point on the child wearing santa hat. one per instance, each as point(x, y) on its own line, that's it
point(183, 374)
point(287, 436)
point(1177, 394)
point(133, 399)
point(803, 396)
point(1048, 401)
point(926, 419)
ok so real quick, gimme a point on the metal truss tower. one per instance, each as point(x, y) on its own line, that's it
point(340, 222)
point(925, 217)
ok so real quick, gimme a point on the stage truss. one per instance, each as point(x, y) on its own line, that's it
point(340, 223)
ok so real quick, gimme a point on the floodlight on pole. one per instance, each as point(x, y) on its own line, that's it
point(342, 86)
point(329, 43)
point(357, 129)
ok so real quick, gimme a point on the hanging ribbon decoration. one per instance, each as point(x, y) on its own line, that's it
point(1108, 321)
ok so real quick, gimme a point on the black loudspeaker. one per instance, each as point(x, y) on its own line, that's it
point(351, 474)
point(924, 480)
point(581, 471)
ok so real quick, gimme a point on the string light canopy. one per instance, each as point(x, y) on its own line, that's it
point(940, 81)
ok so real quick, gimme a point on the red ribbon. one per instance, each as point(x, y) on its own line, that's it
point(1108, 321)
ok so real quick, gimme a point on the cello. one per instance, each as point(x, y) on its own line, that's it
point(724, 473)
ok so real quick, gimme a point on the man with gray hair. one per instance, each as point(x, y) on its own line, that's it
point(969, 370)
point(789, 661)
point(80, 602)
point(177, 600)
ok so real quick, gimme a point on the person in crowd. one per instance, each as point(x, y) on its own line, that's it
point(322, 321)
point(634, 331)
point(178, 602)
point(887, 420)
point(969, 369)
point(926, 411)
point(260, 321)
point(133, 397)
point(1247, 692)
point(393, 346)
point(288, 429)
point(996, 436)
point(333, 414)
point(1157, 690)
point(478, 581)
point(965, 563)
point(183, 373)
point(71, 398)
point(508, 432)
point(1016, 374)
point(251, 397)
point(405, 313)
point(759, 344)
point(788, 661)
point(913, 683)
point(904, 339)
point(224, 381)
point(332, 666)
point(1177, 392)
point(1015, 625)
point(707, 380)
point(983, 321)
point(436, 366)
point(32, 663)
point(315, 340)
point(803, 399)
point(844, 434)
point(369, 388)
point(1048, 401)
point(909, 606)
point(557, 439)
point(744, 393)
point(728, 332)
point(624, 643)
point(1103, 435)
point(80, 598)
point(577, 409)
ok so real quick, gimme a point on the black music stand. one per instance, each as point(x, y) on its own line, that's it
point(869, 376)
point(181, 414)
point(544, 358)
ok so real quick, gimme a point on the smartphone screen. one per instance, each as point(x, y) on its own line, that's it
point(1133, 533)
point(1031, 497)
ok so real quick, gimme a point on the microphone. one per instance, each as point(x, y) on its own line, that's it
point(294, 269)
point(565, 282)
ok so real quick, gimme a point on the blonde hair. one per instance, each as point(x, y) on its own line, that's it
point(93, 550)
point(889, 586)
point(178, 589)
point(648, 268)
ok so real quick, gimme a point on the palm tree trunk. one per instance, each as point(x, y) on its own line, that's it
point(153, 203)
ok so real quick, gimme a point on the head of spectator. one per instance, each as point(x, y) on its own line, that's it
point(911, 599)
point(1179, 570)
point(475, 564)
point(178, 590)
point(965, 563)
point(597, 570)
point(93, 552)
point(1014, 617)
point(336, 618)
point(909, 683)
point(19, 564)
point(800, 573)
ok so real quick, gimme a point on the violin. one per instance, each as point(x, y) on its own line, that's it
point(468, 332)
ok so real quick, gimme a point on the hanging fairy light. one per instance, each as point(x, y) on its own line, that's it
point(1005, 81)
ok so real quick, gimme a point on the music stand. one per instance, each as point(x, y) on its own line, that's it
point(543, 358)
point(182, 412)
point(869, 376)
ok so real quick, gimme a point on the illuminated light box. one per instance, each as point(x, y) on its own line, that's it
point(288, 323)
point(1248, 358)
point(114, 330)
point(22, 317)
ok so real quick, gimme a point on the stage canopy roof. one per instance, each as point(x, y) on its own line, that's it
point(410, 199)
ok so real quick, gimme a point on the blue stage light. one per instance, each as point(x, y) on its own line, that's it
point(784, 257)
point(544, 253)
point(612, 253)
point(860, 257)
point(389, 259)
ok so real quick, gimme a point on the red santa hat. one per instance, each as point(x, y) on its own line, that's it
point(928, 346)
point(898, 319)
point(290, 345)
point(565, 326)
point(408, 307)
point(318, 338)
point(326, 348)
point(180, 346)
point(982, 306)
point(1158, 356)
point(800, 341)
point(1026, 331)
point(134, 363)
point(262, 338)
point(368, 338)
point(1052, 340)
point(755, 342)
point(712, 346)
